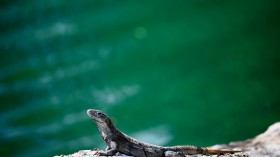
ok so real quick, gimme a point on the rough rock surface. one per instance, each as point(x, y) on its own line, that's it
point(263, 145)
point(266, 144)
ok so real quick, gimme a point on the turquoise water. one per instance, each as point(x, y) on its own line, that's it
point(168, 73)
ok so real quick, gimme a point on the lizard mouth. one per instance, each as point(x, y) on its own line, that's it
point(91, 114)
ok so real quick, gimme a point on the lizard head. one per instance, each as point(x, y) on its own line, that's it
point(97, 116)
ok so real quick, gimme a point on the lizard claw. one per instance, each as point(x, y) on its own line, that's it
point(100, 153)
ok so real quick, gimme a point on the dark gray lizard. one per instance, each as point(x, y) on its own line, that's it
point(122, 143)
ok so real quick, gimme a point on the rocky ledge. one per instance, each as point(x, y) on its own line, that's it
point(266, 144)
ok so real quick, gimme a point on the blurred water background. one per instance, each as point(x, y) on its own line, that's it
point(167, 72)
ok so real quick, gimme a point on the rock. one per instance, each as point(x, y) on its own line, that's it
point(266, 144)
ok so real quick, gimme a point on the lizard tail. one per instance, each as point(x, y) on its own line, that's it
point(220, 151)
point(199, 150)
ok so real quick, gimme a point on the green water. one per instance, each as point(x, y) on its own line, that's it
point(175, 72)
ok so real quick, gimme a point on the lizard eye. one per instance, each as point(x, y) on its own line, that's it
point(99, 113)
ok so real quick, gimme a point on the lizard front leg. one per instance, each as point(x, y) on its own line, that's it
point(110, 150)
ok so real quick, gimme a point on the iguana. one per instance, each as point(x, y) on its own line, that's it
point(119, 142)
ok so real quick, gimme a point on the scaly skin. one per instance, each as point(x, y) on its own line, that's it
point(120, 142)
